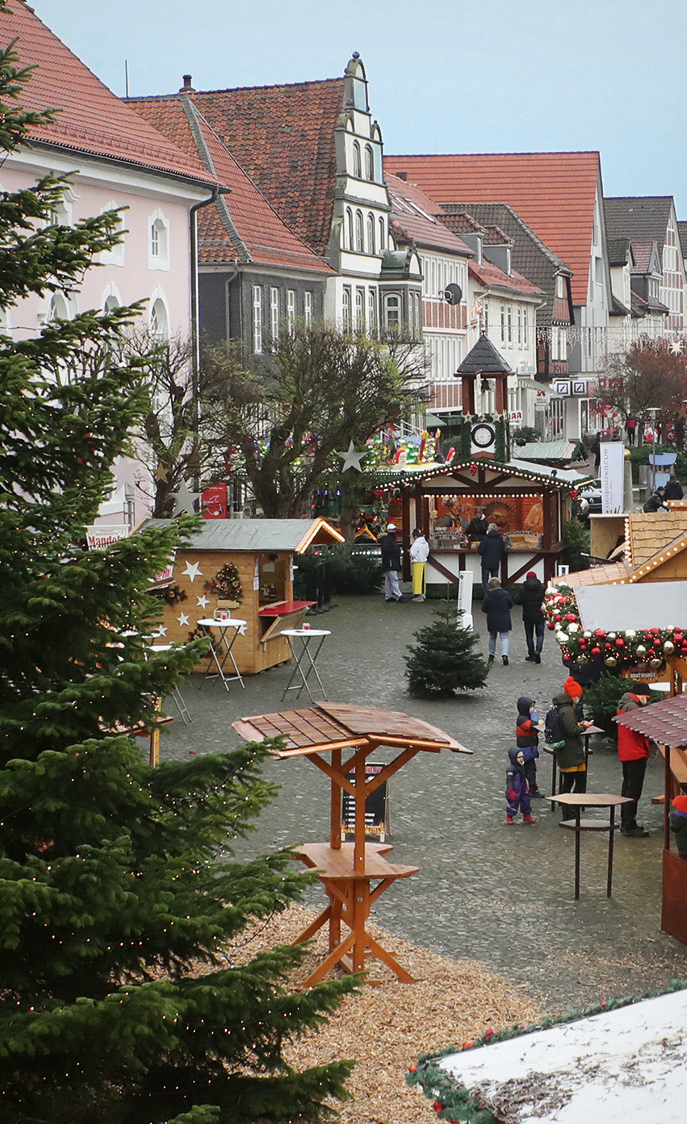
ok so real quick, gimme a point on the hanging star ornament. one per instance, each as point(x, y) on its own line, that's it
point(351, 459)
point(676, 347)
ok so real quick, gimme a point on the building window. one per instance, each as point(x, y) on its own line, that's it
point(560, 286)
point(360, 310)
point(274, 312)
point(158, 243)
point(392, 312)
point(510, 324)
point(359, 231)
point(369, 163)
point(307, 308)
point(519, 326)
point(115, 255)
point(382, 241)
point(257, 319)
point(370, 234)
point(291, 309)
point(372, 312)
point(503, 323)
point(346, 308)
point(525, 326)
point(357, 166)
point(159, 321)
point(349, 228)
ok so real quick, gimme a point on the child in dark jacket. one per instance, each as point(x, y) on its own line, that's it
point(678, 824)
point(517, 789)
point(527, 739)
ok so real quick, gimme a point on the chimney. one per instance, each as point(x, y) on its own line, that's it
point(187, 88)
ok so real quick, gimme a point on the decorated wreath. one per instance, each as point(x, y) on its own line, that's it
point(226, 583)
point(620, 649)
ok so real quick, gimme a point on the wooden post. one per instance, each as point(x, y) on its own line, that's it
point(359, 838)
point(335, 804)
point(154, 757)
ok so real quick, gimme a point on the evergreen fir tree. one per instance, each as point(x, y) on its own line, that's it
point(118, 893)
point(443, 661)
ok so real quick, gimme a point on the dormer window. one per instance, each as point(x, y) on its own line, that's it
point(357, 164)
point(560, 286)
point(369, 163)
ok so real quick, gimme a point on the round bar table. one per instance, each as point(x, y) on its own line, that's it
point(312, 640)
point(579, 800)
point(222, 651)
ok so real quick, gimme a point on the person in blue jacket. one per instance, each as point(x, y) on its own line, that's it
point(491, 549)
point(527, 739)
point(517, 789)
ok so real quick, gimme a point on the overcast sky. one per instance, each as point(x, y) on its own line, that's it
point(501, 76)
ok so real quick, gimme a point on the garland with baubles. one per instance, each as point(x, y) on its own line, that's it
point(627, 648)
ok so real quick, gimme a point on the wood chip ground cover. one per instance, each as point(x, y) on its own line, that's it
point(387, 1027)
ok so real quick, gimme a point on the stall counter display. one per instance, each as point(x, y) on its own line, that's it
point(257, 555)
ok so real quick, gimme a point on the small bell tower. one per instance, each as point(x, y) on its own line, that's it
point(486, 432)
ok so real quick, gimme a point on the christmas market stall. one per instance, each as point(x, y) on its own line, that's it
point(241, 568)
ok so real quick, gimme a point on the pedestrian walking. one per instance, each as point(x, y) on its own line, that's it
point(497, 604)
point(673, 489)
point(527, 739)
point(419, 553)
point(518, 797)
point(532, 598)
point(570, 755)
point(631, 430)
point(391, 563)
point(491, 549)
point(633, 751)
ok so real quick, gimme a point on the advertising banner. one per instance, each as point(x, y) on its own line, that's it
point(612, 475)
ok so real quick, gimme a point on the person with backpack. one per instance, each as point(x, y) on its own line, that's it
point(633, 752)
point(567, 743)
point(497, 604)
point(527, 739)
point(517, 789)
point(531, 598)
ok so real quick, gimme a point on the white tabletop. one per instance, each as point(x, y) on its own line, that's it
point(306, 632)
point(231, 622)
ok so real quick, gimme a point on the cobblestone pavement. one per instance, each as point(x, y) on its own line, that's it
point(485, 891)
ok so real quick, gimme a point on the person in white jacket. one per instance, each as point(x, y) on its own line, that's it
point(419, 553)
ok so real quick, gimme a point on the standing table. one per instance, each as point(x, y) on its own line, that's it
point(580, 800)
point(154, 649)
point(312, 640)
point(222, 651)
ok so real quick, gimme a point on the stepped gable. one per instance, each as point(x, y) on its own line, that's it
point(553, 192)
point(483, 359)
point(241, 225)
point(283, 138)
point(90, 120)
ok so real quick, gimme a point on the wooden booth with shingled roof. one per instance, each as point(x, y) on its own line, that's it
point(339, 738)
point(260, 552)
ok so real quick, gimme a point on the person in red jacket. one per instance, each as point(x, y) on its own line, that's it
point(633, 751)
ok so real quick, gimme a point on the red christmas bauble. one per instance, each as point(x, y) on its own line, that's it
point(620, 643)
point(596, 651)
point(550, 625)
point(570, 617)
point(600, 633)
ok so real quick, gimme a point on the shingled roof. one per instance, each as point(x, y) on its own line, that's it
point(91, 119)
point(415, 219)
point(283, 139)
point(491, 275)
point(241, 226)
point(641, 218)
point(553, 192)
point(483, 358)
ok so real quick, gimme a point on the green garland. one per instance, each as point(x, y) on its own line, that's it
point(619, 649)
point(458, 1105)
point(226, 583)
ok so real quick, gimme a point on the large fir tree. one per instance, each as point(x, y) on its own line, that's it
point(118, 892)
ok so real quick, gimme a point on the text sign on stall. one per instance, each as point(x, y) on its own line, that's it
point(612, 475)
point(376, 806)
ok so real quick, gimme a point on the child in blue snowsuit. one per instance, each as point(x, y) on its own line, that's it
point(517, 789)
point(527, 739)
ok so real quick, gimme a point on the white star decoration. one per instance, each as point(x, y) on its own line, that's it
point(193, 571)
point(676, 347)
point(183, 619)
point(202, 601)
point(161, 631)
point(351, 459)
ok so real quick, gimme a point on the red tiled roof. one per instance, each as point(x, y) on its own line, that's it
point(413, 219)
point(92, 120)
point(554, 192)
point(283, 138)
point(489, 274)
point(241, 225)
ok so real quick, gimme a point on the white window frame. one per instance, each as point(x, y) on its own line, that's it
point(392, 312)
point(291, 309)
point(349, 228)
point(159, 321)
point(307, 308)
point(382, 235)
point(257, 319)
point(115, 256)
point(158, 241)
point(346, 308)
point(274, 312)
point(357, 161)
point(369, 163)
point(370, 233)
point(359, 310)
point(359, 232)
point(371, 312)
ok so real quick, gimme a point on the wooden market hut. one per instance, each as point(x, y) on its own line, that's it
point(528, 502)
point(262, 550)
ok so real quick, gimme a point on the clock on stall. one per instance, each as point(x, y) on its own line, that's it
point(483, 435)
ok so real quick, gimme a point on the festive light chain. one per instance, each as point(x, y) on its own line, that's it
point(618, 649)
point(459, 1106)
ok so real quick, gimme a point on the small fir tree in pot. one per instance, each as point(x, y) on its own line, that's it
point(443, 660)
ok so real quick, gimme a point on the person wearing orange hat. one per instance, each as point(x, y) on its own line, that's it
point(570, 755)
point(633, 751)
point(678, 824)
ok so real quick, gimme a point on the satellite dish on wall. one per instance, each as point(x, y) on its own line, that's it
point(453, 293)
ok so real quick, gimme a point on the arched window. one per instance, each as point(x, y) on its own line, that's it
point(114, 256)
point(159, 320)
point(346, 308)
point(357, 165)
point(372, 312)
point(158, 241)
point(369, 163)
point(349, 228)
point(359, 231)
point(382, 241)
point(58, 308)
point(370, 234)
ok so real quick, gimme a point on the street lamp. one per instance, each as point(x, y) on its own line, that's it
point(652, 455)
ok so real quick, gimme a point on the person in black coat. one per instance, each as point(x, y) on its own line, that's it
point(655, 503)
point(497, 604)
point(492, 549)
point(673, 489)
point(477, 527)
point(532, 598)
point(391, 563)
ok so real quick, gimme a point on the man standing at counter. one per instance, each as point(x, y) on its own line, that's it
point(492, 549)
